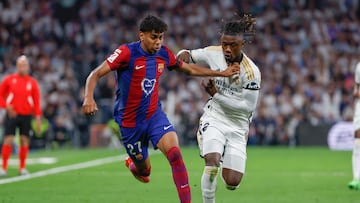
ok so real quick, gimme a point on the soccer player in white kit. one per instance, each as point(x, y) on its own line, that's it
point(355, 183)
point(224, 126)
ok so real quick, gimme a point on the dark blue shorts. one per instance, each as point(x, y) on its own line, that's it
point(136, 140)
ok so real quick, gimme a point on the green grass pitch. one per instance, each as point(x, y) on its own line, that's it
point(273, 175)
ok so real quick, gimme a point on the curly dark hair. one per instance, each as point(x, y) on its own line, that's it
point(153, 23)
point(244, 26)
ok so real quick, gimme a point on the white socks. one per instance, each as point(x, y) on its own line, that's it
point(356, 159)
point(208, 183)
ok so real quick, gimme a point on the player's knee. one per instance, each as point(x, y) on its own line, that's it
point(212, 159)
point(232, 182)
point(174, 155)
point(232, 187)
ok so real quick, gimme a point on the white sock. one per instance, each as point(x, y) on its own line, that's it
point(208, 183)
point(356, 159)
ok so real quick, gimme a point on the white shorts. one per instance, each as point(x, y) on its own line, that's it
point(230, 141)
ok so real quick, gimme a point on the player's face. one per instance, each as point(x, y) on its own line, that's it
point(22, 66)
point(232, 45)
point(151, 41)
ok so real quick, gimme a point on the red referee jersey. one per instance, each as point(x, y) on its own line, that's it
point(21, 92)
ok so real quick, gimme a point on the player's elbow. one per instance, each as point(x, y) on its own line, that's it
point(184, 55)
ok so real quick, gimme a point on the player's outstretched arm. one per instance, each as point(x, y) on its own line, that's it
point(196, 70)
point(89, 104)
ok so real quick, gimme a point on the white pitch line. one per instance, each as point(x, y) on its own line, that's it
point(61, 169)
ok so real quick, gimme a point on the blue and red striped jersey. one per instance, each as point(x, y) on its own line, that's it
point(137, 75)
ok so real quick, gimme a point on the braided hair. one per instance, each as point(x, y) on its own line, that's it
point(244, 26)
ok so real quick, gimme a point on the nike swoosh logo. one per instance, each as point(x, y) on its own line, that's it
point(184, 186)
point(167, 127)
point(139, 67)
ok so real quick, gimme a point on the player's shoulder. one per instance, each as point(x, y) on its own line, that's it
point(212, 51)
point(213, 48)
point(10, 76)
point(31, 79)
point(252, 79)
point(249, 64)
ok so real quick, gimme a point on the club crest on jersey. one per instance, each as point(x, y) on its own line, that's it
point(160, 67)
point(148, 86)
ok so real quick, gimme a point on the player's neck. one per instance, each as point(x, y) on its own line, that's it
point(145, 49)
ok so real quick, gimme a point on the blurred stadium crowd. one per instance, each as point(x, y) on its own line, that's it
point(306, 50)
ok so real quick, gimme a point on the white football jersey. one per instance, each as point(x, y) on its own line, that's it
point(237, 95)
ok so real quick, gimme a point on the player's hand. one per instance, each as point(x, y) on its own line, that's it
point(89, 106)
point(184, 56)
point(209, 86)
point(10, 111)
point(38, 124)
point(233, 69)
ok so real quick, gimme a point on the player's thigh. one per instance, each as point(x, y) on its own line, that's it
point(24, 123)
point(135, 142)
point(161, 132)
point(211, 138)
point(10, 125)
point(234, 163)
point(235, 155)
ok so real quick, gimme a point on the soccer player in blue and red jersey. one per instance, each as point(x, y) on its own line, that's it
point(137, 109)
point(20, 96)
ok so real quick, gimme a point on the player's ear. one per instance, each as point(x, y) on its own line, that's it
point(141, 36)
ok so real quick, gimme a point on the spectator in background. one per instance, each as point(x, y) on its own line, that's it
point(20, 96)
point(138, 112)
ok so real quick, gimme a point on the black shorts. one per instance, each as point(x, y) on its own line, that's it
point(23, 122)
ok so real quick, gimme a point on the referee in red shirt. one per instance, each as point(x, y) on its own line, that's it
point(20, 96)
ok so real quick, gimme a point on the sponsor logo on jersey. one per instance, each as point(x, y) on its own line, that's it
point(167, 127)
point(113, 56)
point(139, 67)
point(252, 86)
point(147, 86)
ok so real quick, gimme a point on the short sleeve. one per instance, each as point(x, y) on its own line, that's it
point(119, 58)
point(173, 62)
